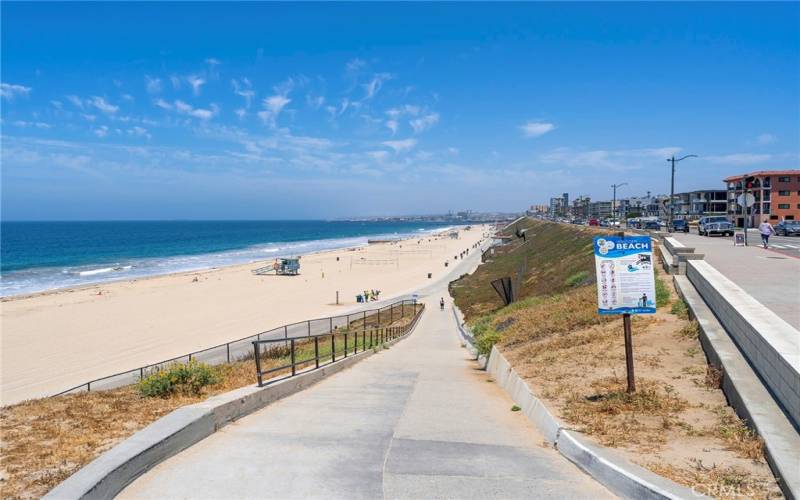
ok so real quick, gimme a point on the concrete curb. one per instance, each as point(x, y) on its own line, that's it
point(112, 471)
point(615, 472)
point(746, 393)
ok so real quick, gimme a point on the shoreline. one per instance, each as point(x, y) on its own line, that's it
point(61, 338)
point(89, 285)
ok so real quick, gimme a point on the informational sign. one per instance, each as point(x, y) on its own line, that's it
point(625, 280)
point(745, 200)
point(738, 239)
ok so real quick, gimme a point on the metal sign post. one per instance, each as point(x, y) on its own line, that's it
point(625, 284)
point(745, 200)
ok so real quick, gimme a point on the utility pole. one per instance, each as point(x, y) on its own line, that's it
point(614, 203)
point(672, 189)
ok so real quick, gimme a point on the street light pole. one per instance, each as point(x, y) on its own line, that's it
point(614, 203)
point(672, 189)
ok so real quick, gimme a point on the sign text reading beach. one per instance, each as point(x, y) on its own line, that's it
point(625, 279)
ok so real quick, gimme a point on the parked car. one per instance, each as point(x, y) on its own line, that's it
point(701, 224)
point(723, 228)
point(680, 225)
point(594, 222)
point(652, 225)
point(788, 228)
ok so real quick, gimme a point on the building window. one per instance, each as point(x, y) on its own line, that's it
point(783, 179)
point(783, 193)
point(783, 206)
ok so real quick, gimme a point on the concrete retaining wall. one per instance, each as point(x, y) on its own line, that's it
point(616, 473)
point(112, 471)
point(745, 392)
point(769, 343)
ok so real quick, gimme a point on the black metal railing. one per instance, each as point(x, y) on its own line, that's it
point(308, 349)
point(242, 348)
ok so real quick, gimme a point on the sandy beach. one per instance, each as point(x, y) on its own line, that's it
point(55, 340)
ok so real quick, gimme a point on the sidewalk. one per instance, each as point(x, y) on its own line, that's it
point(415, 421)
point(769, 277)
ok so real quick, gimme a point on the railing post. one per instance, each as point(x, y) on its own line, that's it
point(316, 352)
point(258, 362)
point(355, 342)
point(292, 358)
point(309, 328)
point(285, 335)
point(402, 308)
point(330, 322)
point(345, 345)
point(333, 347)
point(228, 349)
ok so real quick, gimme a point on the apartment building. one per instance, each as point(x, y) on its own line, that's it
point(776, 193)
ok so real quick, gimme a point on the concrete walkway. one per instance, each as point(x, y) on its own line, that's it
point(415, 421)
point(769, 277)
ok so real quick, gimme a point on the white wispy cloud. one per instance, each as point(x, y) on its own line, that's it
point(196, 82)
point(101, 131)
point(378, 155)
point(372, 87)
point(161, 103)
point(241, 113)
point(127, 97)
point(536, 129)
point(103, 105)
point(203, 114)
point(617, 160)
point(764, 139)
point(404, 110)
point(392, 125)
point(75, 100)
point(139, 132)
point(272, 107)
point(211, 61)
point(9, 91)
point(401, 145)
point(244, 88)
point(355, 65)
point(740, 158)
point(152, 84)
point(26, 124)
point(57, 104)
point(175, 80)
point(453, 151)
point(425, 122)
point(89, 117)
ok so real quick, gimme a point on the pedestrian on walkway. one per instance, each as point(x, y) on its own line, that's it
point(441, 303)
point(766, 230)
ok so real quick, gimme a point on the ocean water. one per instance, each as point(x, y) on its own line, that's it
point(37, 256)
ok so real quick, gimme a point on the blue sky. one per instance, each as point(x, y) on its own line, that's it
point(226, 111)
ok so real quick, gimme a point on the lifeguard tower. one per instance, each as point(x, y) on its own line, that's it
point(289, 266)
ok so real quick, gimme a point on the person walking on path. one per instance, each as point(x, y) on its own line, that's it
point(441, 303)
point(766, 230)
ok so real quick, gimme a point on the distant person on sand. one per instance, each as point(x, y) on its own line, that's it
point(766, 230)
point(441, 303)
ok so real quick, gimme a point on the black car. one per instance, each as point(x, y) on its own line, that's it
point(788, 228)
point(653, 225)
point(680, 225)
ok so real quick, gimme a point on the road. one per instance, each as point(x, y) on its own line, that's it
point(771, 276)
point(416, 421)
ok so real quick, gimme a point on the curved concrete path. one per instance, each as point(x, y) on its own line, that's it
point(416, 421)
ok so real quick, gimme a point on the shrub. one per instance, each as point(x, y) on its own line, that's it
point(187, 378)
point(577, 279)
point(662, 293)
point(680, 310)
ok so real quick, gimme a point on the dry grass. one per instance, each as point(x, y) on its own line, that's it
point(718, 482)
point(575, 360)
point(46, 440)
point(616, 417)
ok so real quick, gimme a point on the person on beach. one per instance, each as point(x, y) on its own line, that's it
point(441, 303)
point(766, 230)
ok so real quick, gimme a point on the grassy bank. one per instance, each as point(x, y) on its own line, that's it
point(46, 440)
point(677, 423)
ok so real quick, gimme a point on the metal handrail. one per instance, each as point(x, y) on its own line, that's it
point(141, 371)
point(377, 336)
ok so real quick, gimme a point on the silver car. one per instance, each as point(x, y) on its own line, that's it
point(704, 221)
point(721, 228)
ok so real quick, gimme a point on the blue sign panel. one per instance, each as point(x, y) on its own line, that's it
point(625, 278)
